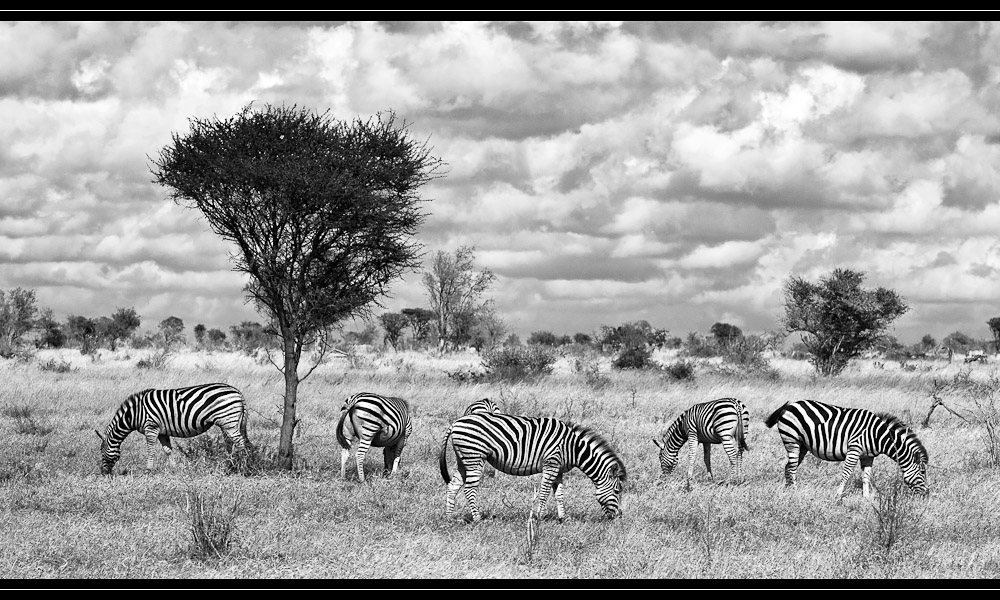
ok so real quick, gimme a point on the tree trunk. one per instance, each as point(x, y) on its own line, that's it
point(285, 450)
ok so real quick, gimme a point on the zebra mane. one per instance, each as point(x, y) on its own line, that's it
point(599, 443)
point(908, 433)
point(136, 395)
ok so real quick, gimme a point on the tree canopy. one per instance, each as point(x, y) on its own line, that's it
point(838, 318)
point(321, 213)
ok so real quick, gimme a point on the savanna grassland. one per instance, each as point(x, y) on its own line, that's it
point(61, 519)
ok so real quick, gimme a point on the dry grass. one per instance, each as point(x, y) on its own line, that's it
point(69, 522)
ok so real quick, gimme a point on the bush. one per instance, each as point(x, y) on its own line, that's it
point(212, 524)
point(157, 361)
point(52, 365)
point(680, 370)
point(516, 363)
point(633, 357)
point(591, 373)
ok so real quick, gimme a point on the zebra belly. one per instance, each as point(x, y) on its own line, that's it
point(518, 468)
point(176, 430)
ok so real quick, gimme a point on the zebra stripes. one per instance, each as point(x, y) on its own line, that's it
point(526, 446)
point(850, 435)
point(373, 420)
point(724, 421)
point(184, 412)
point(484, 405)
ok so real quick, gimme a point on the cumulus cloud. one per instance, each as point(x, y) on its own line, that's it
point(606, 171)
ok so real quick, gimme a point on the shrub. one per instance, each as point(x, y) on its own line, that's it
point(633, 357)
point(24, 421)
point(62, 366)
point(157, 361)
point(680, 371)
point(896, 520)
point(212, 524)
point(591, 373)
point(516, 363)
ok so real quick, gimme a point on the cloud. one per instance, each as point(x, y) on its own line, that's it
point(606, 171)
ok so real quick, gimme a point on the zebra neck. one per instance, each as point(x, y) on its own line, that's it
point(125, 422)
point(675, 436)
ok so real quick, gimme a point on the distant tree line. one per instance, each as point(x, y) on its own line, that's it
point(838, 321)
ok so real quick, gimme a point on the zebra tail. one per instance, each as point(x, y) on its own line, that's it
point(340, 430)
point(741, 434)
point(243, 427)
point(443, 457)
point(774, 416)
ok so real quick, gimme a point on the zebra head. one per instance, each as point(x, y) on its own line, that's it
point(107, 460)
point(912, 460)
point(668, 459)
point(599, 461)
point(609, 490)
point(902, 445)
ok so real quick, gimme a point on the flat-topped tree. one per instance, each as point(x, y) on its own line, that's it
point(322, 213)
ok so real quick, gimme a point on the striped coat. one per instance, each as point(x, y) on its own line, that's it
point(851, 435)
point(184, 412)
point(724, 421)
point(373, 420)
point(526, 446)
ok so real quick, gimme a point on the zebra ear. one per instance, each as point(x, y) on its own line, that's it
point(101, 437)
point(658, 443)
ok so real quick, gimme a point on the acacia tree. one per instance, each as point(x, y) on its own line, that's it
point(725, 333)
point(838, 319)
point(454, 289)
point(321, 212)
point(171, 328)
point(393, 324)
point(123, 324)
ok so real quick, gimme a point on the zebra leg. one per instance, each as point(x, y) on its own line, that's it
point(730, 445)
point(866, 475)
point(795, 456)
point(549, 474)
point(473, 473)
point(359, 457)
point(233, 436)
point(345, 455)
point(693, 444)
point(708, 459)
point(167, 448)
point(851, 461)
point(453, 487)
point(152, 435)
point(557, 491)
point(397, 452)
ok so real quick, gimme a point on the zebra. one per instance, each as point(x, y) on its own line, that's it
point(850, 435)
point(488, 406)
point(373, 420)
point(724, 421)
point(526, 446)
point(484, 405)
point(182, 412)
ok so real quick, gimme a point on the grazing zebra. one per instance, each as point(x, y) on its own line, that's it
point(724, 421)
point(484, 405)
point(836, 433)
point(526, 446)
point(373, 420)
point(185, 412)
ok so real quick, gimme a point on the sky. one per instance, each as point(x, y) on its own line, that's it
point(606, 172)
